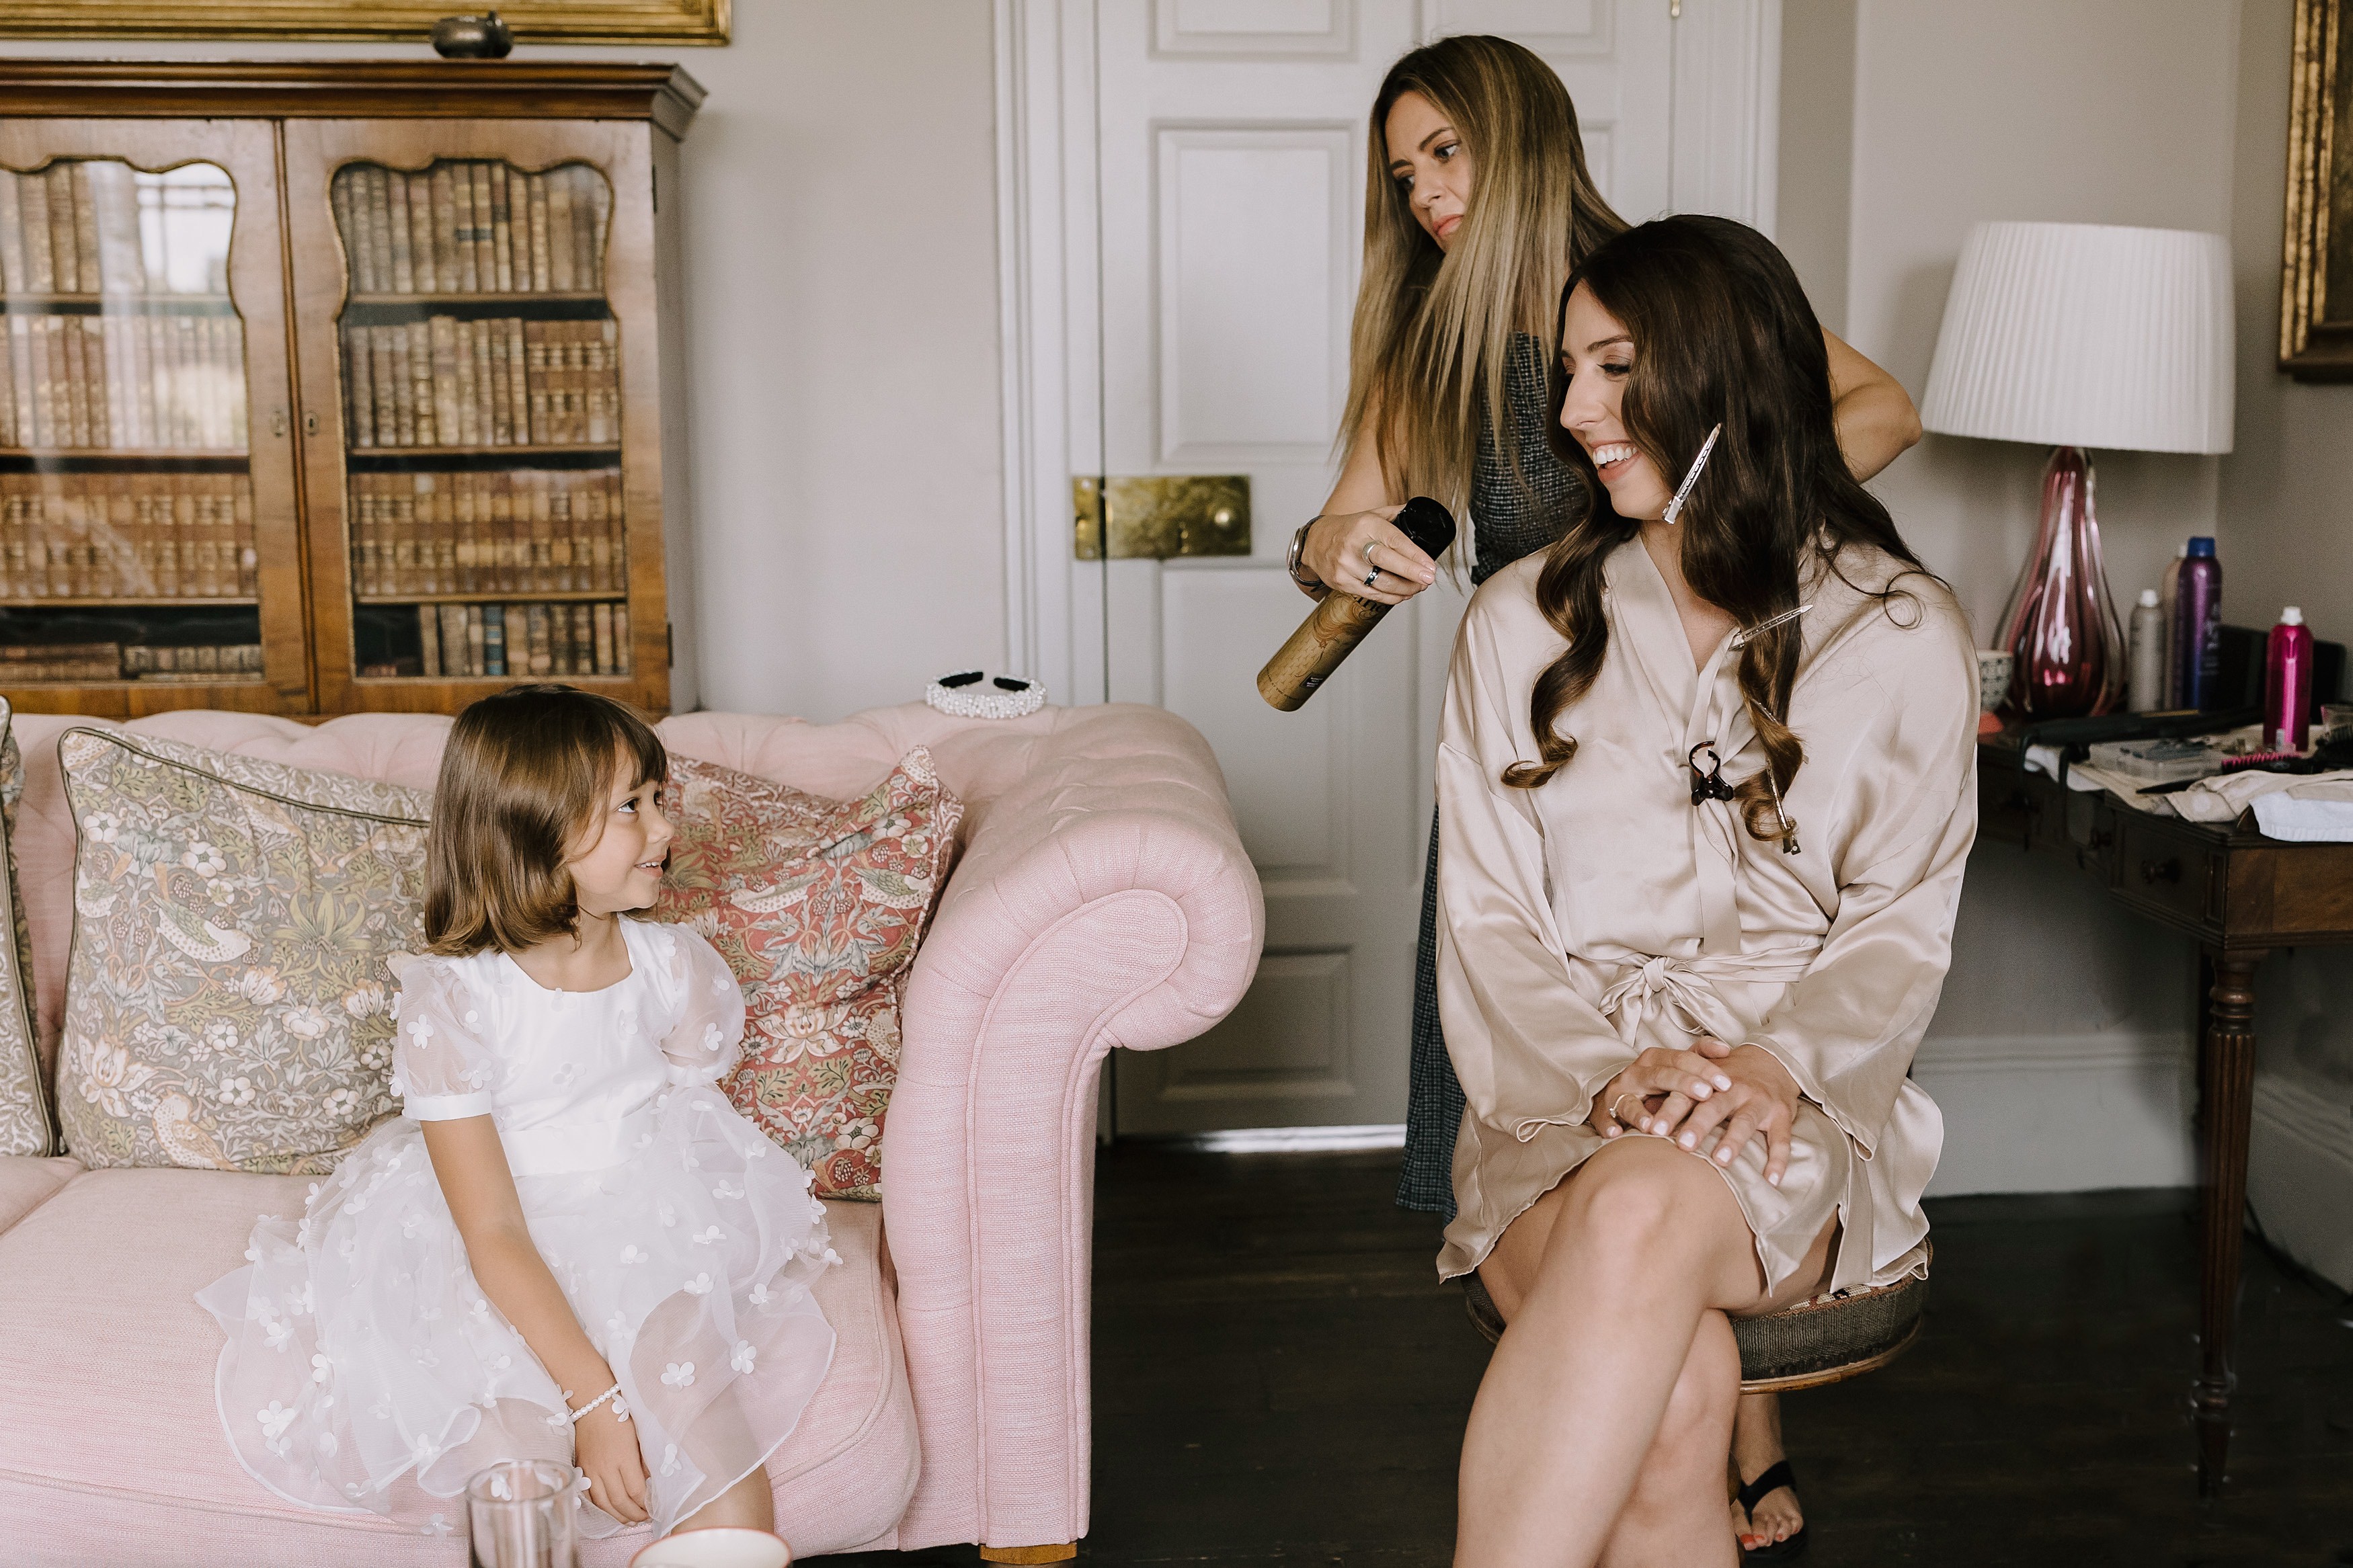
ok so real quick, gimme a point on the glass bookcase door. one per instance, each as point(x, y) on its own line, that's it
point(479, 364)
point(129, 541)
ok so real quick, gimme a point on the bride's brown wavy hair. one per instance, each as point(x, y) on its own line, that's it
point(1722, 333)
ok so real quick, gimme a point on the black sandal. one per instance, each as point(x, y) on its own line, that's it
point(1777, 1475)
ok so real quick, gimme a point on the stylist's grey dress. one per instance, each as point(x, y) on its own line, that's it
point(1510, 516)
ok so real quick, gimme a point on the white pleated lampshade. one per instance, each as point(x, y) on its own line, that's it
point(2078, 334)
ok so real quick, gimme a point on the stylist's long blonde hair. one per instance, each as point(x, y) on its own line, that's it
point(1433, 328)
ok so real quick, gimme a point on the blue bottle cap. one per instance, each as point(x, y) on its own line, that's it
point(2203, 544)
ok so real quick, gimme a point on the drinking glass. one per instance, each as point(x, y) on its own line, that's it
point(523, 1513)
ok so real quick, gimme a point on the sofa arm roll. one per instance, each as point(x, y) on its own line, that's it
point(1103, 900)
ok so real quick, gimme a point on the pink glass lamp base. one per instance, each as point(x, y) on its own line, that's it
point(2061, 623)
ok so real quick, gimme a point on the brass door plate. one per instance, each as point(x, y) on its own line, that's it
point(1161, 517)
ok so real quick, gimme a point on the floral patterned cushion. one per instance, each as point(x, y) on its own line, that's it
point(226, 999)
point(24, 1125)
point(817, 906)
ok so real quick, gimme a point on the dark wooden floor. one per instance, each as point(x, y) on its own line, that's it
point(1279, 1380)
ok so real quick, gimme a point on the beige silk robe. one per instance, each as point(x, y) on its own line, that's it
point(1604, 913)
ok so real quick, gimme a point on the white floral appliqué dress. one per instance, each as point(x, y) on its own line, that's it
point(365, 1371)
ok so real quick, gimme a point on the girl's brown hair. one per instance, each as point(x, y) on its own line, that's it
point(1433, 328)
point(1723, 333)
point(526, 772)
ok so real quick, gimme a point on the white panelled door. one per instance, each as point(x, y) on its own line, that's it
point(1211, 274)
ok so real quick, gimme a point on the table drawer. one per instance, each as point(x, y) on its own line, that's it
point(2166, 872)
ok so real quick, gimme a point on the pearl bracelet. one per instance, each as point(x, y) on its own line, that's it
point(620, 1406)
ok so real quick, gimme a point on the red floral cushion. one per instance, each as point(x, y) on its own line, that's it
point(817, 906)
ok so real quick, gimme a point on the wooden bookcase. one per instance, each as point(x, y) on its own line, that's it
point(321, 381)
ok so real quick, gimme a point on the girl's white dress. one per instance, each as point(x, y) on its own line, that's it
point(365, 1371)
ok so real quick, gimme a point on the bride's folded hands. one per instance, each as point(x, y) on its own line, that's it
point(1684, 1095)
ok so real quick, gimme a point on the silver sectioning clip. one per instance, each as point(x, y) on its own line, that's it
point(1743, 639)
point(1683, 491)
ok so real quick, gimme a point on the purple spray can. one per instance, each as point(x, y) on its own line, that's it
point(2198, 624)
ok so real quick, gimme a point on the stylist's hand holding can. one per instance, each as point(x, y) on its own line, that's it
point(1335, 550)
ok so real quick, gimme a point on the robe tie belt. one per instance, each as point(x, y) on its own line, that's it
point(1683, 989)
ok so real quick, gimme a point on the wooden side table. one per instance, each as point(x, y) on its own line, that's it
point(2240, 895)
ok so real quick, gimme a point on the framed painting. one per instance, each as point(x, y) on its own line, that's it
point(533, 21)
point(2316, 259)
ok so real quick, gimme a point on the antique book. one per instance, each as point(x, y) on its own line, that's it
point(465, 412)
point(86, 273)
point(537, 186)
point(421, 369)
point(64, 260)
point(502, 412)
point(486, 265)
point(40, 262)
point(14, 279)
point(494, 639)
point(477, 643)
point(404, 250)
point(461, 232)
point(501, 229)
point(560, 242)
point(623, 657)
point(460, 653)
point(359, 386)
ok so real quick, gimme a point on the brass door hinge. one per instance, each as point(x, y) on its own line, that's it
point(1160, 517)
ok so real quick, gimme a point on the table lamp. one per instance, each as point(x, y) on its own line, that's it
point(2076, 335)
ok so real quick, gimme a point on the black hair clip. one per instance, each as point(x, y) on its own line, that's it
point(1709, 784)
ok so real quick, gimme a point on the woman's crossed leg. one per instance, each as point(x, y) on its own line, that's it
point(1600, 1429)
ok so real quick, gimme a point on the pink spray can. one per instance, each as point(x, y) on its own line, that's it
point(2287, 683)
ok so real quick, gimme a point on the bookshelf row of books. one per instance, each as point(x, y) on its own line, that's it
point(517, 531)
point(75, 227)
point(473, 227)
point(135, 382)
point(520, 640)
point(502, 383)
point(133, 662)
point(126, 536)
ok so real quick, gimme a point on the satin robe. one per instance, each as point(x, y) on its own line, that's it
point(1605, 912)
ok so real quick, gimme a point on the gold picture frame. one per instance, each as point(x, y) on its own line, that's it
point(533, 21)
point(2317, 252)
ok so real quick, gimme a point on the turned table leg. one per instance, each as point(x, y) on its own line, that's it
point(2226, 1077)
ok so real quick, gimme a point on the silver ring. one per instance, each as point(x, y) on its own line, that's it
point(1613, 1108)
point(1371, 571)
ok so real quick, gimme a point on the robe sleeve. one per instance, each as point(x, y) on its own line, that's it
point(1848, 1030)
point(707, 1040)
point(1531, 1051)
point(443, 1068)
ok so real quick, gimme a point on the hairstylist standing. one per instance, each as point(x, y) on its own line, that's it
point(1478, 205)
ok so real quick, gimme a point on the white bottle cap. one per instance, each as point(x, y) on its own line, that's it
point(2291, 616)
point(2149, 598)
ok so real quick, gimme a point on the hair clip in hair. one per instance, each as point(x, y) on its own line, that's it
point(1780, 814)
point(1683, 493)
point(1743, 639)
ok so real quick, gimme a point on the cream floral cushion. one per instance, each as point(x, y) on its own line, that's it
point(228, 1003)
point(24, 1125)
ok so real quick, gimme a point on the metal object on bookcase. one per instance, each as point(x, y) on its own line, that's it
point(483, 37)
point(1160, 517)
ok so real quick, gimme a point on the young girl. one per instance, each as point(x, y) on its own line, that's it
point(569, 1244)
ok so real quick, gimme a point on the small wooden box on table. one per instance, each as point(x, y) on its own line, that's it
point(2240, 895)
point(340, 386)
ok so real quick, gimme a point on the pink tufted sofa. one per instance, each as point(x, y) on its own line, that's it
point(1103, 899)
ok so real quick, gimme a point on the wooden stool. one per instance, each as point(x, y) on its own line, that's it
point(1827, 1340)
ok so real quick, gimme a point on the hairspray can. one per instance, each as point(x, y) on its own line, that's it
point(2198, 624)
point(2168, 593)
point(2287, 683)
point(2147, 693)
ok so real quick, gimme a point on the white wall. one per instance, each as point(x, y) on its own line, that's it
point(842, 289)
